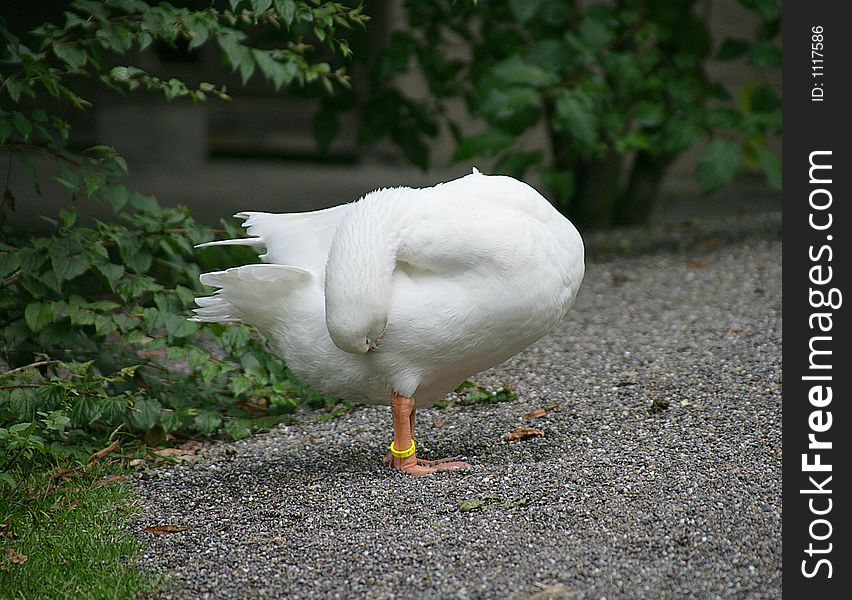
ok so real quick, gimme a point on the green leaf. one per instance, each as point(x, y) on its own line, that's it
point(139, 261)
point(68, 217)
point(488, 143)
point(237, 429)
point(595, 30)
point(415, 149)
point(171, 421)
point(5, 130)
point(396, 57)
point(241, 384)
point(209, 371)
point(478, 395)
point(769, 10)
point(235, 337)
point(178, 326)
point(207, 422)
point(287, 9)
point(561, 183)
point(512, 109)
point(198, 30)
point(124, 322)
point(16, 87)
point(22, 427)
point(516, 164)
point(185, 295)
point(515, 70)
point(771, 166)
point(38, 315)
point(238, 55)
point(104, 325)
point(280, 73)
point(116, 195)
point(111, 272)
point(22, 404)
point(524, 10)
point(197, 357)
point(67, 267)
point(9, 261)
point(73, 56)
point(134, 286)
point(260, 6)
point(765, 55)
point(575, 115)
point(649, 114)
point(145, 414)
point(718, 165)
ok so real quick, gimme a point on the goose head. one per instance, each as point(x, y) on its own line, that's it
point(357, 330)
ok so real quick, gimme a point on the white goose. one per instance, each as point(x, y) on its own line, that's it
point(399, 297)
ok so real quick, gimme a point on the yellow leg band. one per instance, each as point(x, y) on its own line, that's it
point(404, 453)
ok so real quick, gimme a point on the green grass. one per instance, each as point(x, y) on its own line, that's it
point(70, 526)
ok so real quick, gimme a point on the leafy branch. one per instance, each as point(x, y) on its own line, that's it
point(93, 334)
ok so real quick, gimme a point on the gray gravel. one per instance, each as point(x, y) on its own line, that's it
point(613, 501)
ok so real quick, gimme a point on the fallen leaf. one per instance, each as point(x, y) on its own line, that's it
point(438, 423)
point(180, 454)
point(540, 412)
point(191, 446)
point(164, 529)
point(16, 558)
point(170, 452)
point(708, 244)
point(698, 263)
point(522, 433)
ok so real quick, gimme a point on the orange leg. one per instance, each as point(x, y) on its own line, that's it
point(403, 411)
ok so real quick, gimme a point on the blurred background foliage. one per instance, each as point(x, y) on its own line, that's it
point(620, 90)
point(94, 341)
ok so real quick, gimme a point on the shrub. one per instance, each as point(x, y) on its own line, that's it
point(620, 88)
point(94, 339)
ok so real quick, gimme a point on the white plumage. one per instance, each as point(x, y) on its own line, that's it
point(407, 290)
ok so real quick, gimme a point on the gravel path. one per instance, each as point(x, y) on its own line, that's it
point(614, 501)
